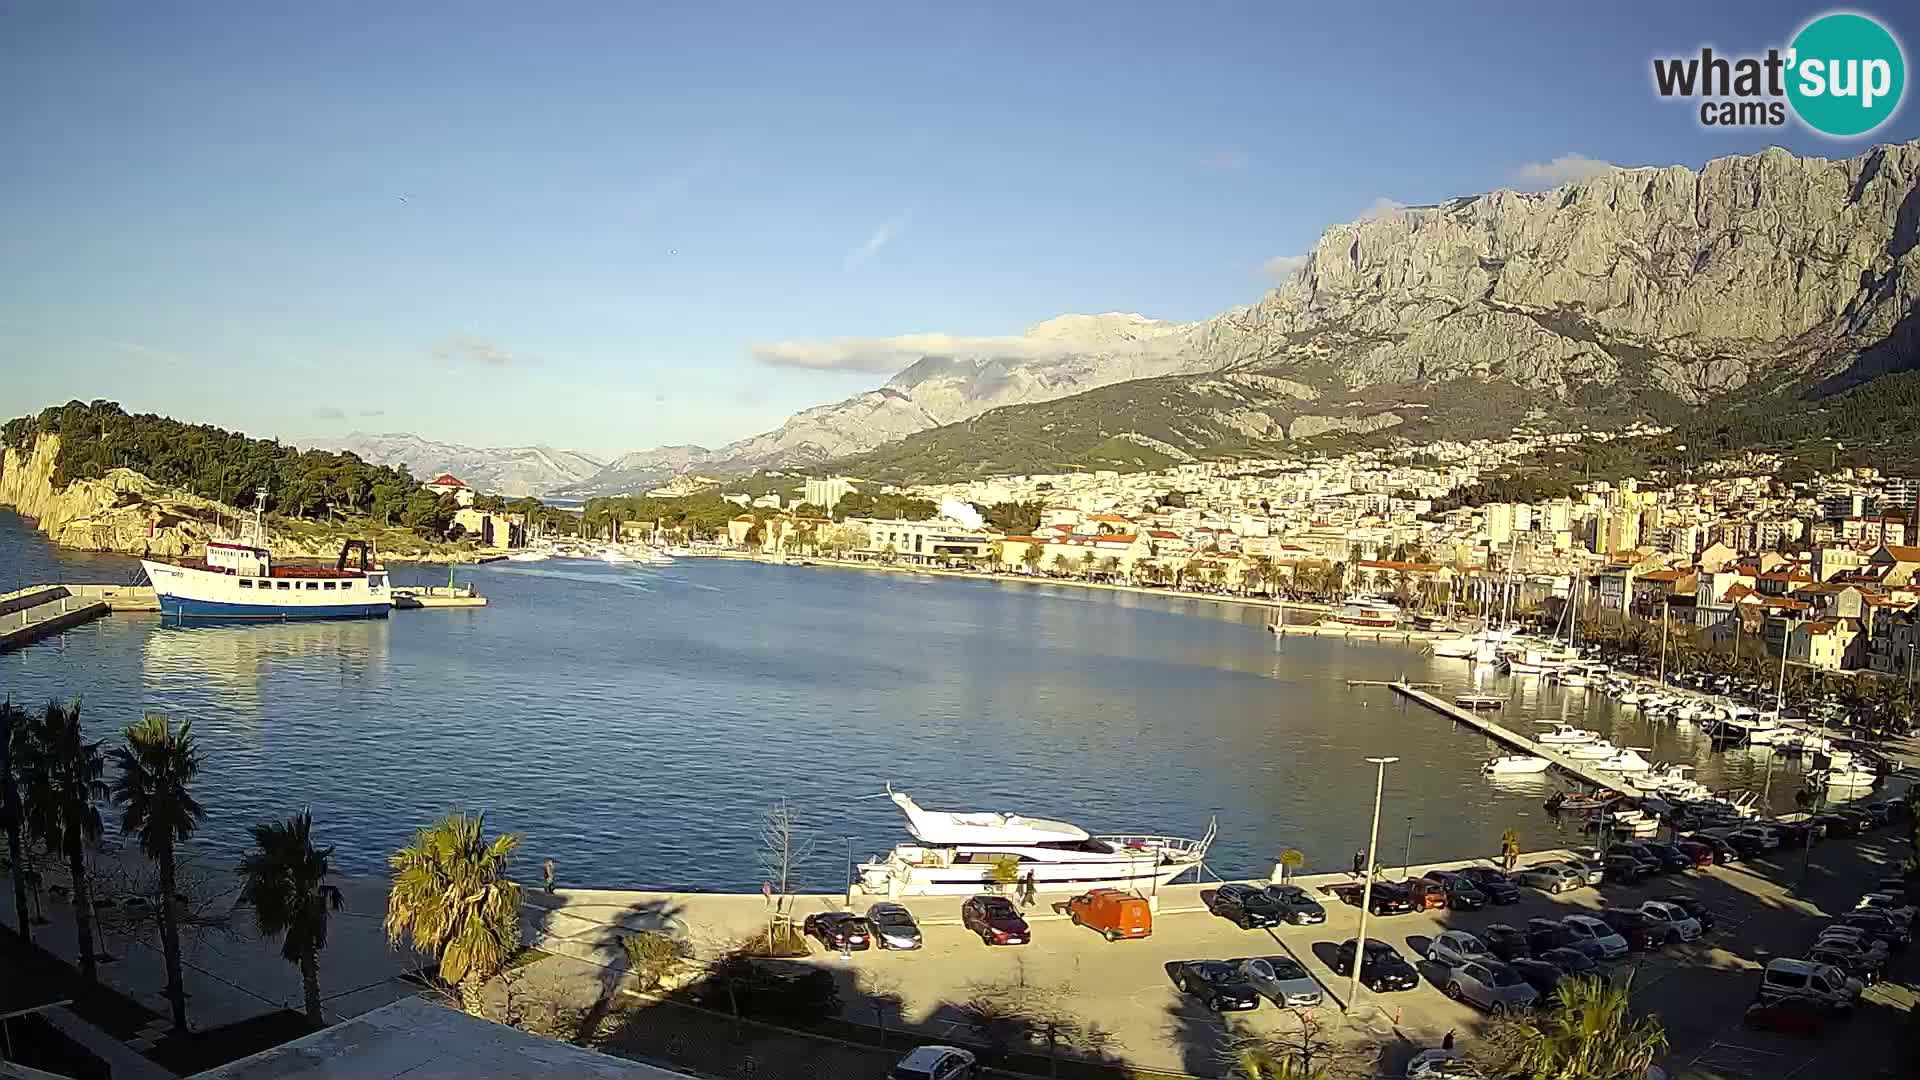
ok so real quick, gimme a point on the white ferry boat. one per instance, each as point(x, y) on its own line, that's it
point(237, 579)
point(958, 853)
point(1366, 611)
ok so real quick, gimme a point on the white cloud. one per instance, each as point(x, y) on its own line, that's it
point(1282, 267)
point(143, 352)
point(467, 349)
point(1225, 160)
point(373, 412)
point(1565, 169)
point(890, 354)
point(329, 412)
point(880, 238)
point(1381, 207)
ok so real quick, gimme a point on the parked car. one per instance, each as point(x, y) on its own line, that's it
point(1544, 976)
point(1642, 933)
point(1723, 852)
point(937, 1063)
point(1463, 894)
point(893, 927)
point(1693, 906)
point(1816, 984)
point(1855, 938)
point(1623, 869)
point(1387, 898)
point(1455, 947)
point(1896, 934)
point(1507, 942)
point(1672, 859)
point(1495, 884)
point(1426, 894)
point(840, 931)
point(1246, 906)
point(1491, 985)
point(1848, 957)
point(1281, 980)
point(1382, 971)
point(1795, 834)
point(1895, 905)
point(1111, 913)
point(1298, 908)
point(1553, 877)
point(1570, 961)
point(1836, 825)
point(1593, 937)
point(1786, 1016)
point(996, 920)
point(1641, 854)
point(1684, 925)
point(1220, 986)
point(1702, 854)
point(1439, 1063)
point(1588, 867)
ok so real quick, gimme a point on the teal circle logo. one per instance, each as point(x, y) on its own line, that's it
point(1847, 75)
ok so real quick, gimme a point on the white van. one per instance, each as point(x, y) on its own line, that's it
point(1804, 980)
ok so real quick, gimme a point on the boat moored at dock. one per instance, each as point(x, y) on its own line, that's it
point(237, 579)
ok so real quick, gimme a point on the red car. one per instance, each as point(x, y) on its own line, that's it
point(996, 920)
point(1701, 854)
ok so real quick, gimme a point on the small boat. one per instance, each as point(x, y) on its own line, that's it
point(1515, 764)
point(1849, 777)
point(1479, 702)
point(1597, 750)
point(1576, 679)
point(533, 555)
point(1366, 612)
point(1631, 700)
point(1565, 735)
point(1575, 804)
point(1627, 760)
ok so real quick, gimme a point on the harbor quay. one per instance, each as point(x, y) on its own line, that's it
point(576, 958)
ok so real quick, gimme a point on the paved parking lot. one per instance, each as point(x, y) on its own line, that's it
point(1699, 989)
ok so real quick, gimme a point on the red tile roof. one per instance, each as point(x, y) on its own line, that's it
point(446, 480)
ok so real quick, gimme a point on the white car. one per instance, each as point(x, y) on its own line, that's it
point(1554, 877)
point(1455, 947)
point(1673, 915)
point(1611, 945)
point(1863, 951)
point(1442, 1065)
point(1895, 906)
point(937, 1063)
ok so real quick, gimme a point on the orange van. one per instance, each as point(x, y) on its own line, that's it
point(1114, 913)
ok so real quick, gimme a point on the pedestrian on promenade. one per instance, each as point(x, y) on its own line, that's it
point(1029, 890)
point(549, 870)
point(1359, 864)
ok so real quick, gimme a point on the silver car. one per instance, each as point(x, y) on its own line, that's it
point(1281, 980)
point(1601, 937)
point(893, 927)
point(1456, 947)
point(1592, 871)
point(1493, 986)
point(1554, 877)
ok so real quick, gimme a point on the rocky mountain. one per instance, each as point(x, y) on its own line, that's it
point(1646, 291)
point(513, 471)
point(1637, 291)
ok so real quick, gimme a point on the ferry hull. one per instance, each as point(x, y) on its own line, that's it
point(181, 607)
point(887, 879)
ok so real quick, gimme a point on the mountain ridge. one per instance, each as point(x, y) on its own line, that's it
point(513, 471)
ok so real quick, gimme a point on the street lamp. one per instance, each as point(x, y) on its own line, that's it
point(1780, 691)
point(1366, 889)
point(1406, 865)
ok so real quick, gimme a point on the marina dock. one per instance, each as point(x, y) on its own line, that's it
point(1361, 633)
point(1580, 770)
point(29, 614)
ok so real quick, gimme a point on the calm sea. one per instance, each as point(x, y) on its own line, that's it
point(635, 723)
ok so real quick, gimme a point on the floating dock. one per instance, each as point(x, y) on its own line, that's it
point(1581, 770)
point(408, 598)
point(1363, 633)
point(29, 614)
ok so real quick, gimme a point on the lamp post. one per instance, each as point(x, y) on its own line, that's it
point(1780, 690)
point(1366, 889)
point(1406, 865)
point(849, 903)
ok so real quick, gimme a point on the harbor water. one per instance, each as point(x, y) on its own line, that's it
point(634, 723)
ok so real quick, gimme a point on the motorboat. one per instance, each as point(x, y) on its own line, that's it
point(1565, 735)
point(1674, 782)
point(1515, 764)
point(962, 853)
point(1479, 702)
point(530, 555)
point(1626, 760)
point(1563, 802)
point(1631, 699)
point(1631, 822)
point(1851, 776)
point(1597, 750)
point(237, 579)
point(1368, 612)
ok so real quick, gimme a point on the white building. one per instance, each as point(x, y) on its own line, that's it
point(824, 493)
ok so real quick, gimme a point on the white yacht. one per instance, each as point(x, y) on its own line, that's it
point(958, 854)
point(1626, 760)
point(1597, 750)
point(1515, 764)
point(1565, 735)
point(1366, 611)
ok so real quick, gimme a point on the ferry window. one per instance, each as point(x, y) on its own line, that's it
point(327, 585)
point(311, 585)
point(283, 585)
point(245, 584)
point(346, 584)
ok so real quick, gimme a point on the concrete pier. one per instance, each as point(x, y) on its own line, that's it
point(29, 614)
point(1362, 633)
point(1581, 770)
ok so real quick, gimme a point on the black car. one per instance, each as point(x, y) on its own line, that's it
point(1218, 985)
point(1723, 852)
point(1650, 861)
point(1507, 942)
point(1692, 906)
point(1797, 833)
point(1384, 970)
point(1878, 924)
point(1542, 935)
point(1246, 906)
point(1539, 974)
point(1462, 893)
point(1386, 899)
point(1621, 869)
point(1642, 933)
point(1837, 825)
point(1570, 961)
point(839, 930)
point(1495, 884)
point(1672, 859)
point(1298, 908)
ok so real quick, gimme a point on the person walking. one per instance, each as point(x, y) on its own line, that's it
point(1359, 864)
point(549, 872)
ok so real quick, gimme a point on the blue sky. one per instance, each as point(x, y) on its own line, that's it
point(572, 224)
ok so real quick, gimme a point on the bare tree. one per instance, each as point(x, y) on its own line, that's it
point(1015, 1012)
point(202, 903)
point(784, 845)
point(1302, 1050)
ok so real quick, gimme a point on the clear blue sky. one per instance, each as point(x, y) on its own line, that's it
point(570, 224)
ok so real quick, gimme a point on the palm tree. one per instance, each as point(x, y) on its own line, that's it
point(452, 899)
point(13, 720)
point(157, 769)
point(1588, 1033)
point(286, 882)
point(60, 777)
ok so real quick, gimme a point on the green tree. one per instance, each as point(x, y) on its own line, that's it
point(13, 724)
point(285, 880)
point(157, 768)
point(61, 787)
point(1587, 1033)
point(1030, 558)
point(452, 899)
point(1086, 565)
